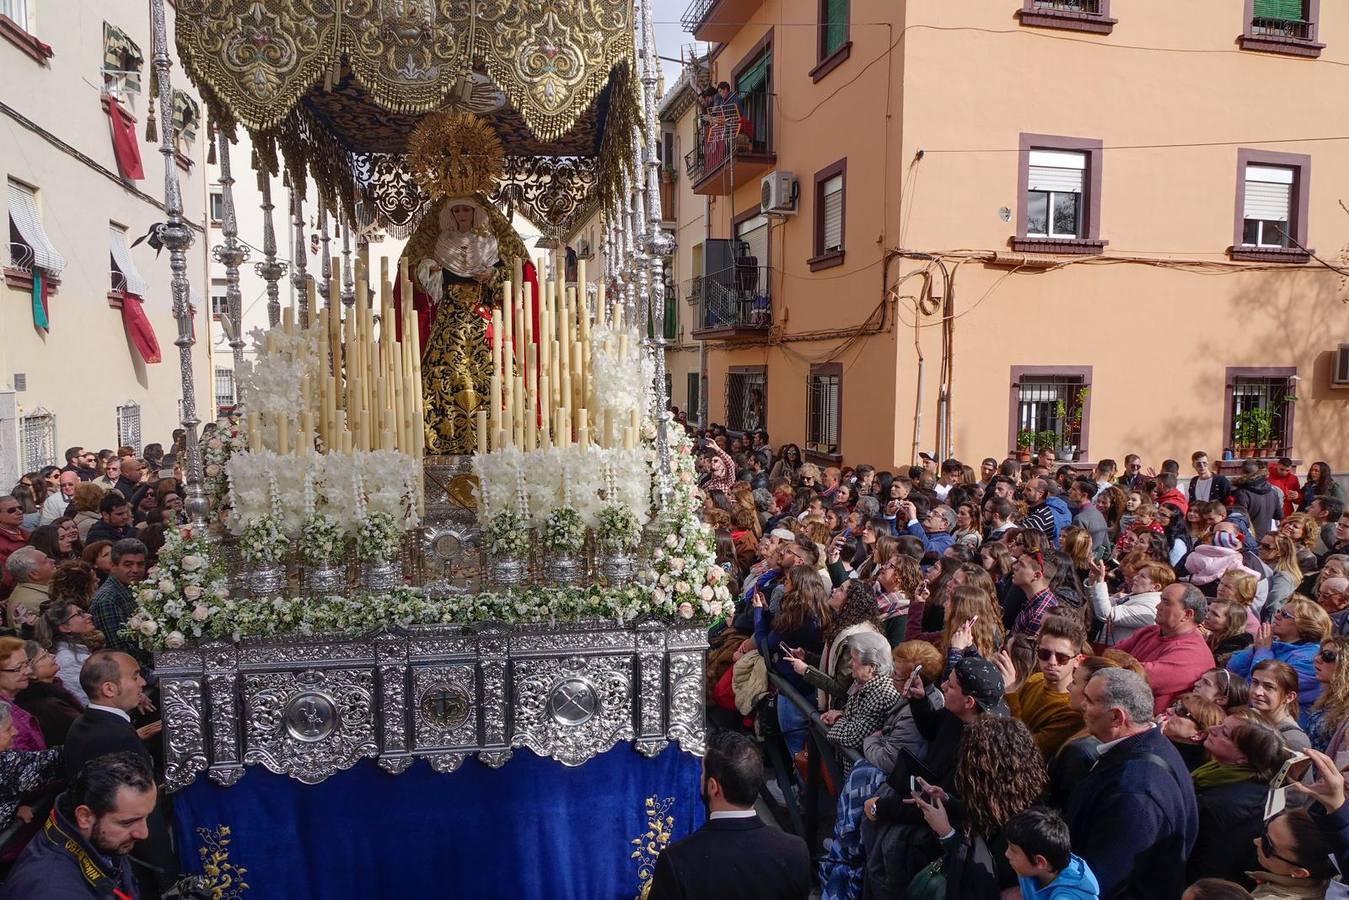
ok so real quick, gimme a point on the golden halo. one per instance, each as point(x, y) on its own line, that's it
point(454, 153)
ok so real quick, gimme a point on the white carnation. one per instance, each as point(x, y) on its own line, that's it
point(192, 562)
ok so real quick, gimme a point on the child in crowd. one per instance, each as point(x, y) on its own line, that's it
point(1039, 850)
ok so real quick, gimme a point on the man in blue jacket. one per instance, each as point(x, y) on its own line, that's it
point(1048, 512)
point(935, 532)
point(1133, 818)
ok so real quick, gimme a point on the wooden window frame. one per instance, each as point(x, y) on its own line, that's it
point(1308, 48)
point(18, 34)
point(823, 369)
point(1299, 207)
point(1014, 398)
point(821, 259)
point(828, 62)
point(1088, 244)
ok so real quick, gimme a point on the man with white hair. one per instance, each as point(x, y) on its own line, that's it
point(54, 507)
point(32, 571)
point(1133, 817)
point(935, 531)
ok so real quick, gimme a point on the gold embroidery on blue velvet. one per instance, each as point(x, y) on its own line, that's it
point(223, 878)
point(659, 828)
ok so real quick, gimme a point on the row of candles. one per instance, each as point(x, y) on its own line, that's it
point(378, 404)
point(542, 386)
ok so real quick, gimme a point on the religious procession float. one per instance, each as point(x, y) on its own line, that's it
point(437, 625)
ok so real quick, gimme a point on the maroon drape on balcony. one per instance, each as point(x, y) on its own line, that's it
point(125, 142)
point(139, 330)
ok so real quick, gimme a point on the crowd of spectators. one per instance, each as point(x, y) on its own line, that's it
point(1075, 680)
point(79, 725)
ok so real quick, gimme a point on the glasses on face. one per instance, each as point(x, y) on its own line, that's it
point(1044, 654)
point(15, 671)
point(1265, 546)
point(9, 510)
point(1283, 614)
point(1329, 656)
point(1267, 847)
point(1179, 709)
point(81, 614)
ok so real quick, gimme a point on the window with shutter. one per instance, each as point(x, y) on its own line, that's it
point(832, 198)
point(834, 25)
point(1055, 185)
point(1267, 210)
point(1285, 10)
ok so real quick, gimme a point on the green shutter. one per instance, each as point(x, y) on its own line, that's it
point(755, 78)
point(671, 321)
point(1286, 10)
point(835, 25)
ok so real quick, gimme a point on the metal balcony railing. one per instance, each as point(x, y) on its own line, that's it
point(20, 256)
point(727, 128)
point(738, 301)
point(695, 13)
point(1283, 28)
point(1090, 7)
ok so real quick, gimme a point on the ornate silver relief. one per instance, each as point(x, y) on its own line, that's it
point(572, 708)
point(185, 741)
point(309, 724)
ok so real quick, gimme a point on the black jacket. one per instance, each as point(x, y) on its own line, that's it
point(54, 708)
point(102, 531)
point(733, 859)
point(1218, 491)
point(1134, 819)
point(943, 730)
point(97, 733)
point(1230, 817)
point(1261, 501)
point(60, 863)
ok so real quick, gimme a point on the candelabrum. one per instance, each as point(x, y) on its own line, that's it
point(271, 269)
point(231, 254)
point(298, 266)
point(326, 264)
point(177, 237)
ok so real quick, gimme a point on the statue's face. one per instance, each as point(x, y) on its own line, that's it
point(463, 217)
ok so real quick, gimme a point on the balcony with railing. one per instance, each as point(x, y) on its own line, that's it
point(1288, 29)
point(734, 146)
point(19, 269)
point(737, 305)
point(1283, 26)
point(717, 20)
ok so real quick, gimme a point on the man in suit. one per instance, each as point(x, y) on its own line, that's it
point(735, 855)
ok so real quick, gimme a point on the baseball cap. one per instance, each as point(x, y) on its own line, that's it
point(928, 456)
point(981, 680)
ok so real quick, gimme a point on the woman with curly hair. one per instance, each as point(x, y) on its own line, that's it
point(853, 611)
point(999, 774)
point(1111, 502)
point(972, 628)
point(1319, 483)
point(1331, 709)
point(927, 617)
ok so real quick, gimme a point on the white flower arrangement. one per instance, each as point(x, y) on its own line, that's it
point(216, 452)
point(264, 543)
point(506, 535)
point(618, 529)
point(619, 381)
point(185, 599)
point(321, 540)
point(270, 382)
point(563, 531)
point(378, 537)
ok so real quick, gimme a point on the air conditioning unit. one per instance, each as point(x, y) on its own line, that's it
point(1339, 372)
point(777, 193)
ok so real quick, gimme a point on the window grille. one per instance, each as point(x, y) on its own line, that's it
point(37, 439)
point(1274, 397)
point(746, 401)
point(822, 413)
point(129, 426)
point(1044, 402)
point(694, 396)
point(224, 390)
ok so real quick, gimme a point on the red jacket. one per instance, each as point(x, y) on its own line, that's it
point(1173, 663)
point(1290, 486)
point(8, 544)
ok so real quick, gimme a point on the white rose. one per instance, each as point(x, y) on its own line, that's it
point(212, 470)
point(174, 639)
point(657, 597)
point(686, 610)
point(715, 574)
point(152, 573)
point(681, 587)
point(706, 593)
point(214, 443)
point(149, 627)
point(221, 590)
point(192, 562)
point(671, 540)
point(201, 613)
point(191, 592)
point(166, 585)
point(676, 564)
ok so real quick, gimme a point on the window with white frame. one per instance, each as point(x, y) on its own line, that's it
point(1268, 208)
point(219, 305)
point(217, 206)
point(224, 390)
point(831, 199)
point(1054, 192)
point(16, 11)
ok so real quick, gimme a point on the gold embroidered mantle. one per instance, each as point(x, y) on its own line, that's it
point(255, 59)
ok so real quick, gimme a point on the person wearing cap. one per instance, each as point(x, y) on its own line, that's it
point(973, 689)
point(927, 461)
point(1133, 818)
point(935, 530)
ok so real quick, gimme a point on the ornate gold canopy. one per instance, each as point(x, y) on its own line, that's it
point(256, 59)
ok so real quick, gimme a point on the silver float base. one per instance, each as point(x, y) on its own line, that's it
point(309, 707)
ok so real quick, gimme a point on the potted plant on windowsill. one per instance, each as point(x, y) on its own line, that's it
point(1246, 432)
point(1025, 439)
point(1046, 440)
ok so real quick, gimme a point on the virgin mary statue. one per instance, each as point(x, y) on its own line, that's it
point(461, 255)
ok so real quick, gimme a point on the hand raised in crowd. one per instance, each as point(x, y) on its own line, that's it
point(964, 635)
point(1264, 637)
point(758, 602)
point(1002, 661)
point(829, 717)
point(1328, 788)
point(1097, 571)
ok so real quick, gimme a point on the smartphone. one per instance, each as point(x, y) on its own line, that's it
point(914, 680)
point(847, 533)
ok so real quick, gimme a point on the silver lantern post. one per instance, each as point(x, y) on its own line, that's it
point(659, 244)
point(271, 269)
point(299, 261)
point(232, 253)
point(326, 264)
point(348, 279)
point(177, 237)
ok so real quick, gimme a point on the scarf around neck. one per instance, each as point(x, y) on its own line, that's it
point(1215, 774)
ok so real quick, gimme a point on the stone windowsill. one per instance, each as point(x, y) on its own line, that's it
point(1287, 46)
point(1290, 255)
point(826, 260)
point(1067, 20)
point(831, 62)
point(1073, 246)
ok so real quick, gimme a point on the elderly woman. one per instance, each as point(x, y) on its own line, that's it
point(21, 772)
point(853, 610)
point(46, 699)
point(873, 694)
point(1123, 614)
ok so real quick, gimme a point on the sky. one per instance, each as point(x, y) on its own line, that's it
point(670, 35)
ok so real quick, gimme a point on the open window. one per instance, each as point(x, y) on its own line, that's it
point(122, 64)
point(33, 261)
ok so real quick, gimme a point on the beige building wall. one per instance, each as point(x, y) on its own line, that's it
point(56, 139)
point(928, 109)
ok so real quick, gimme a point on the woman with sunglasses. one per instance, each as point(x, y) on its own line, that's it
point(67, 632)
point(1273, 696)
point(1184, 723)
point(1230, 790)
point(1294, 636)
point(1278, 553)
point(1331, 708)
